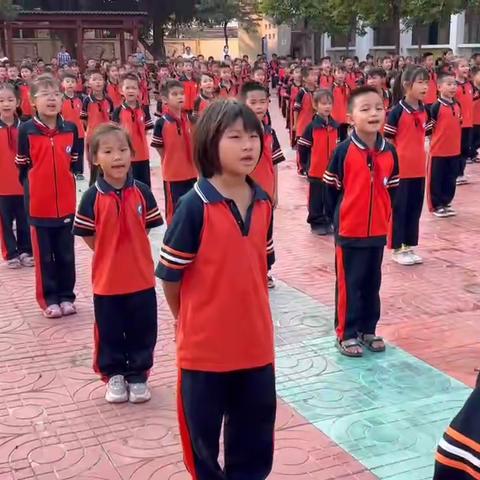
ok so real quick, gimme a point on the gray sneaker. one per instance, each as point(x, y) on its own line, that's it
point(139, 392)
point(116, 390)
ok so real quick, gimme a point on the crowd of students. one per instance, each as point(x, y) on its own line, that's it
point(219, 170)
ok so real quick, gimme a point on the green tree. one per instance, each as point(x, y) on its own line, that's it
point(223, 12)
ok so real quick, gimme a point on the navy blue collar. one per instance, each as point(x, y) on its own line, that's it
point(15, 124)
point(319, 122)
point(104, 187)
point(408, 108)
point(209, 194)
point(380, 143)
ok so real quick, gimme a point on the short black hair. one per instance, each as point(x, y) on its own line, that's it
point(360, 92)
point(339, 67)
point(170, 85)
point(321, 94)
point(210, 128)
point(306, 72)
point(426, 55)
point(474, 70)
point(130, 76)
point(252, 86)
point(443, 75)
point(376, 72)
point(225, 65)
point(68, 74)
point(205, 74)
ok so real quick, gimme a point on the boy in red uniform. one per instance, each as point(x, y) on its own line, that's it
point(376, 77)
point(316, 146)
point(71, 111)
point(465, 98)
point(213, 266)
point(429, 64)
point(325, 79)
point(113, 86)
point(172, 137)
point(190, 86)
point(445, 147)
point(47, 146)
point(226, 88)
point(120, 211)
point(341, 92)
point(360, 178)
point(303, 109)
point(15, 245)
point(162, 77)
point(476, 112)
point(206, 88)
point(132, 116)
point(353, 77)
point(97, 108)
point(26, 73)
point(293, 88)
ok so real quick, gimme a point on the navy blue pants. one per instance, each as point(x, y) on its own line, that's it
point(141, 171)
point(77, 166)
point(317, 214)
point(125, 334)
point(245, 401)
point(467, 150)
point(12, 209)
point(173, 191)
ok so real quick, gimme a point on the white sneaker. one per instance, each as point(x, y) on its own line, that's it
point(463, 180)
point(441, 212)
point(417, 259)
point(139, 393)
point(116, 390)
point(402, 257)
point(450, 211)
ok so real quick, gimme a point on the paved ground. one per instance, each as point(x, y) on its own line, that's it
point(378, 417)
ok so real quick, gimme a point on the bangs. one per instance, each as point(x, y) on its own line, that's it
point(233, 111)
point(420, 74)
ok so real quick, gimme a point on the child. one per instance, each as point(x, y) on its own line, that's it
point(316, 147)
point(292, 91)
point(162, 76)
point(325, 79)
point(190, 86)
point(360, 178)
point(407, 125)
point(213, 265)
point(118, 212)
point(465, 98)
point(353, 77)
point(205, 97)
point(476, 112)
point(172, 139)
point(445, 147)
point(136, 122)
point(12, 74)
point(113, 86)
point(226, 88)
point(259, 75)
point(97, 108)
point(25, 105)
point(341, 92)
point(303, 109)
point(376, 77)
point(16, 249)
point(428, 63)
point(47, 146)
point(71, 111)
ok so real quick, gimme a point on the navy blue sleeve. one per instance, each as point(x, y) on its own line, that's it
point(333, 177)
point(304, 145)
point(393, 119)
point(299, 100)
point(84, 223)
point(116, 115)
point(153, 216)
point(270, 249)
point(84, 112)
point(434, 111)
point(22, 159)
point(182, 238)
point(157, 137)
point(277, 154)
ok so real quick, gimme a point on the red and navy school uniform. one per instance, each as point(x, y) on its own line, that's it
point(12, 204)
point(201, 103)
point(79, 86)
point(174, 137)
point(316, 146)
point(458, 453)
point(264, 173)
point(292, 91)
point(464, 97)
point(360, 185)
point(137, 121)
point(123, 278)
point(227, 91)
point(71, 112)
point(190, 88)
point(113, 92)
point(45, 158)
point(407, 128)
point(353, 79)
point(431, 96)
point(25, 105)
point(341, 93)
point(224, 343)
point(445, 150)
point(476, 123)
point(304, 107)
point(325, 81)
point(95, 111)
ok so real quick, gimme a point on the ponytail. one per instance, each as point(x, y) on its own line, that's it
point(408, 76)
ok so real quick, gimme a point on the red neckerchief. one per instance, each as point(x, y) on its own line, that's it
point(133, 112)
point(44, 129)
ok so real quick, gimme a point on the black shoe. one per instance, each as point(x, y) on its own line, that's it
point(320, 230)
point(331, 229)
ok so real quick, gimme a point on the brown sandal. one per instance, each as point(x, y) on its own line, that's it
point(344, 347)
point(368, 339)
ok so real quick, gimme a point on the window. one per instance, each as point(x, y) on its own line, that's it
point(269, 25)
point(23, 33)
point(266, 26)
point(433, 34)
point(273, 36)
point(472, 25)
point(384, 35)
point(269, 37)
point(340, 41)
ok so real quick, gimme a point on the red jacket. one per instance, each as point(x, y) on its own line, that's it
point(9, 183)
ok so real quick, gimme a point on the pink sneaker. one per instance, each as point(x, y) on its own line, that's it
point(53, 311)
point(68, 308)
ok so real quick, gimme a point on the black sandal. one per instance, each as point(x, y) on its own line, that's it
point(368, 339)
point(344, 346)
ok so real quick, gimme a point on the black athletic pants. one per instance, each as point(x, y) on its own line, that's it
point(475, 140)
point(467, 133)
point(245, 401)
point(53, 251)
point(77, 166)
point(125, 334)
point(141, 171)
point(343, 131)
point(407, 208)
point(357, 292)
point(443, 176)
point(12, 209)
point(317, 215)
point(173, 191)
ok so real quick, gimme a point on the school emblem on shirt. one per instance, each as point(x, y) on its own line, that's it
point(385, 181)
point(68, 149)
point(139, 210)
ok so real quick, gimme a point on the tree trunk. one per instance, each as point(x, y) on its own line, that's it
point(396, 24)
point(225, 32)
point(3, 42)
point(158, 46)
